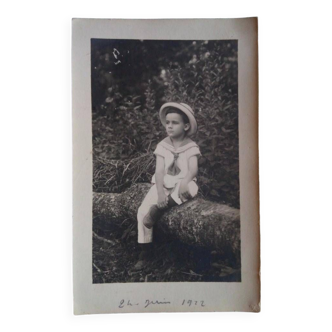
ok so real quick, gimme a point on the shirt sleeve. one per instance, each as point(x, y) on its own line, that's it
point(194, 151)
point(159, 151)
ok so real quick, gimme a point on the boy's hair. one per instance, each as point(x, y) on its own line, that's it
point(177, 111)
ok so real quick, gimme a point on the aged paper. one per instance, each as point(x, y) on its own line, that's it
point(93, 298)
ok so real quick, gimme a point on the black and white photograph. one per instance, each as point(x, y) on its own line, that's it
point(165, 165)
point(165, 161)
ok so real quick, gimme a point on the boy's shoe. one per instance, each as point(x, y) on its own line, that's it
point(144, 257)
point(140, 265)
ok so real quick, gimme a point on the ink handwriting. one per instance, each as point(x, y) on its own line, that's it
point(148, 302)
point(189, 303)
point(128, 304)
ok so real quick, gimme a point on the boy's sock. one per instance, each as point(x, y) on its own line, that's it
point(152, 216)
point(171, 202)
point(155, 213)
point(146, 251)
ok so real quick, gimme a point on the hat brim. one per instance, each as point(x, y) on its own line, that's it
point(192, 120)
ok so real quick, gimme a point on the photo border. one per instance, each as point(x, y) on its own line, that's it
point(92, 298)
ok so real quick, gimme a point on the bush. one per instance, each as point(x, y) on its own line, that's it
point(123, 144)
point(126, 129)
point(206, 85)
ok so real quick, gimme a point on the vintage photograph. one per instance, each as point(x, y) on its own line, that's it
point(165, 139)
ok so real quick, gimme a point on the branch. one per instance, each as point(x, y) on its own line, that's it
point(196, 222)
point(102, 238)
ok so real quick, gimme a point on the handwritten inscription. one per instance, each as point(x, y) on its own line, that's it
point(148, 303)
point(124, 303)
point(190, 303)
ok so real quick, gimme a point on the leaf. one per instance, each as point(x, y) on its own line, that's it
point(219, 119)
point(194, 273)
point(226, 130)
point(125, 234)
point(214, 193)
point(147, 276)
point(203, 179)
point(223, 274)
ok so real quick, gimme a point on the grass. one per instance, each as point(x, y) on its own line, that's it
point(114, 176)
point(115, 252)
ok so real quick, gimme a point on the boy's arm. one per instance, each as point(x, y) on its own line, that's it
point(160, 173)
point(192, 169)
point(192, 173)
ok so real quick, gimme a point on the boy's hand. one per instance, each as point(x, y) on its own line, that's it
point(184, 191)
point(162, 201)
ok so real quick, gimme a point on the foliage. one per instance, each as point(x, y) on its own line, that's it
point(123, 143)
point(126, 126)
point(205, 85)
point(115, 253)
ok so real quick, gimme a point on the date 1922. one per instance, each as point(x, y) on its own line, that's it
point(190, 303)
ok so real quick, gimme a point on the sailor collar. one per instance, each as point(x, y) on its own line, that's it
point(187, 144)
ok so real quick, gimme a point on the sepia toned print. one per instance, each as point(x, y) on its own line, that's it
point(165, 166)
point(173, 103)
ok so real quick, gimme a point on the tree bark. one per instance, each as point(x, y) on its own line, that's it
point(196, 222)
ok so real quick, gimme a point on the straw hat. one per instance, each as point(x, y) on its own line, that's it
point(186, 109)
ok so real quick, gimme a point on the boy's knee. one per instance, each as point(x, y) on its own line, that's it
point(142, 211)
point(139, 212)
point(193, 188)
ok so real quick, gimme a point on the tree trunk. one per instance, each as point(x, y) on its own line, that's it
point(196, 222)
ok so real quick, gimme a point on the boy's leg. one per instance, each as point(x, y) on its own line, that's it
point(151, 211)
point(145, 235)
point(155, 213)
point(193, 190)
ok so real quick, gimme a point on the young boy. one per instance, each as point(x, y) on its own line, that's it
point(175, 177)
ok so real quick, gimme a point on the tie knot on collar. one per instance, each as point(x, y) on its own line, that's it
point(176, 155)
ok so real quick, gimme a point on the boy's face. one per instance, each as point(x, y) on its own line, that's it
point(175, 125)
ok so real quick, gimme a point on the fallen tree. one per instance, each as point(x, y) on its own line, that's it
point(196, 222)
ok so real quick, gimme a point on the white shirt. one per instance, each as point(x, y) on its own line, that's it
point(165, 149)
